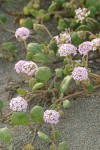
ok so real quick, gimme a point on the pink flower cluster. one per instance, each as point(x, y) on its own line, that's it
point(26, 67)
point(51, 116)
point(29, 68)
point(22, 32)
point(18, 104)
point(96, 44)
point(81, 14)
point(67, 49)
point(85, 47)
point(62, 38)
point(80, 73)
point(18, 66)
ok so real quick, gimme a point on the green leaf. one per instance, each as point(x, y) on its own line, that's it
point(93, 11)
point(29, 56)
point(28, 23)
point(21, 91)
point(55, 135)
point(95, 3)
point(83, 27)
point(52, 7)
point(3, 18)
point(90, 88)
point(34, 12)
point(59, 72)
point(63, 146)
point(44, 137)
point(9, 47)
point(26, 10)
point(65, 83)
point(5, 135)
point(66, 104)
point(32, 82)
point(75, 39)
point(37, 114)
point(34, 48)
point(37, 86)
point(53, 46)
point(61, 25)
point(1, 104)
point(43, 74)
point(93, 22)
point(20, 118)
point(67, 70)
point(41, 58)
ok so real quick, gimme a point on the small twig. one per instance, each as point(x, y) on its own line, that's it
point(47, 31)
point(95, 75)
point(35, 132)
point(52, 13)
point(91, 34)
point(8, 30)
point(73, 95)
point(52, 83)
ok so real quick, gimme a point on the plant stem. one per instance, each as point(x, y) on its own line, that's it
point(87, 61)
point(91, 34)
point(47, 31)
point(25, 44)
point(53, 132)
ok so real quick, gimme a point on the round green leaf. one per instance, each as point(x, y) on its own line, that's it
point(44, 137)
point(5, 135)
point(43, 74)
point(37, 86)
point(20, 118)
point(37, 114)
point(34, 48)
point(28, 23)
point(75, 39)
point(65, 83)
point(3, 18)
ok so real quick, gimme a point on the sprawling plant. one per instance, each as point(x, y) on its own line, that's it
point(58, 69)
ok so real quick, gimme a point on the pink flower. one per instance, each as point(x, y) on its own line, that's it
point(85, 47)
point(18, 66)
point(18, 104)
point(22, 32)
point(81, 14)
point(63, 38)
point(51, 116)
point(96, 44)
point(67, 49)
point(80, 73)
point(29, 68)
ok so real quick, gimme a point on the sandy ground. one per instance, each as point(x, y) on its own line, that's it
point(79, 126)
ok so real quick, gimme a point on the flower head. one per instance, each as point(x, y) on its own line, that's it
point(85, 47)
point(80, 73)
point(67, 49)
point(18, 104)
point(29, 68)
point(81, 14)
point(62, 38)
point(51, 116)
point(22, 32)
point(18, 66)
point(96, 44)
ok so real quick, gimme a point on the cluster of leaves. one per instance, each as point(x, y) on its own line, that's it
point(47, 78)
point(63, 12)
